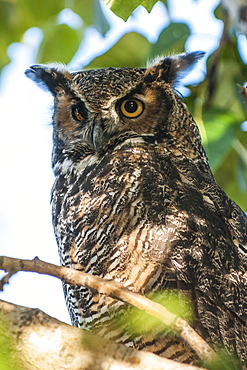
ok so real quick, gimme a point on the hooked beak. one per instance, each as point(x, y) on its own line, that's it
point(102, 133)
point(98, 134)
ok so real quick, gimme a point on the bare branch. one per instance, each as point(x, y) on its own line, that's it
point(116, 291)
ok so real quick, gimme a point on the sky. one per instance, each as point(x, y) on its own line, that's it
point(26, 142)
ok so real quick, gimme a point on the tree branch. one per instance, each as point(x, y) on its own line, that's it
point(43, 342)
point(116, 291)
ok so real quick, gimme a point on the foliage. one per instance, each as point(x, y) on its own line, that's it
point(8, 354)
point(124, 9)
point(60, 42)
point(140, 321)
point(216, 103)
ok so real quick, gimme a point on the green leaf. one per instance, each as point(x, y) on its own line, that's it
point(164, 2)
point(59, 44)
point(171, 39)
point(138, 321)
point(92, 14)
point(8, 354)
point(130, 51)
point(124, 9)
point(4, 59)
point(232, 174)
point(228, 71)
point(35, 14)
point(18, 16)
point(221, 130)
point(100, 21)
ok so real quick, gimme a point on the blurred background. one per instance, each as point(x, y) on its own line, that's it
point(96, 34)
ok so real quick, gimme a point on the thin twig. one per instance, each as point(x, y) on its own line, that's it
point(5, 280)
point(116, 291)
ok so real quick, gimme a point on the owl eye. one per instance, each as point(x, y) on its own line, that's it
point(131, 108)
point(79, 113)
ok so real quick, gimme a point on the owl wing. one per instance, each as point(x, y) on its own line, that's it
point(152, 222)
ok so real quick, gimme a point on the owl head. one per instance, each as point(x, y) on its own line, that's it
point(93, 108)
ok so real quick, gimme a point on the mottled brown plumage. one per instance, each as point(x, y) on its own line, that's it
point(134, 200)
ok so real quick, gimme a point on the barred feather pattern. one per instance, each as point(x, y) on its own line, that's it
point(134, 200)
point(149, 237)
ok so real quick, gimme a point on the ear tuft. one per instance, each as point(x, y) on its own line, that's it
point(170, 69)
point(50, 77)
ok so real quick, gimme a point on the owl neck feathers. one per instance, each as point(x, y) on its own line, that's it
point(180, 132)
point(66, 157)
point(184, 140)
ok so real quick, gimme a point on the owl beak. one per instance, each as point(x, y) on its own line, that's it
point(97, 134)
point(100, 134)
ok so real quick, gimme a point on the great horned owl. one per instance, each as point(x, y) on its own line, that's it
point(135, 201)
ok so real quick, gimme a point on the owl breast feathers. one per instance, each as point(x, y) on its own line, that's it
point(135, 201)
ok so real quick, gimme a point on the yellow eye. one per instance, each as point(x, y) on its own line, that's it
point(77, 114)
point(132, 108)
